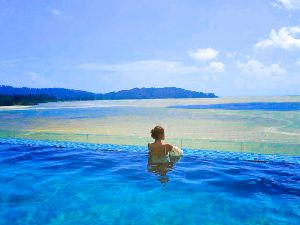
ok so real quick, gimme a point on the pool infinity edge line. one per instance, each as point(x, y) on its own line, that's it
point(254, 157)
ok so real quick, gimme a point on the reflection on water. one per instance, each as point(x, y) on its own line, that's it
point(162, 168)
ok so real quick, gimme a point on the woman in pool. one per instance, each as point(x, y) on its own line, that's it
point(160, 152)
point(162, 156)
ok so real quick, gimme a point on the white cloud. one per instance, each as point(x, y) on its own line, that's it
point(204, 54)
point(157, 69)
point(257, 78)
point(9, 63)
point(231, 54)
point(216, 67)
point(285, 38)
point(151, 66)
point(34, 76)
point(298, 63)
point(258, 69)
point(287, 4)
point(56, 12)
point(141, 73)
point(275, 4)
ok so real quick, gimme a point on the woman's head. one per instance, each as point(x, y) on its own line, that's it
point(158, 133)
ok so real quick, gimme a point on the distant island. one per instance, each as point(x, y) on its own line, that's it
point(30, 96)
point(10, 100)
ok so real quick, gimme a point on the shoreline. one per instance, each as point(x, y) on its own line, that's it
point(15, 107)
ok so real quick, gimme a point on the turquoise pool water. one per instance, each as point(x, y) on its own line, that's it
point(73, 183)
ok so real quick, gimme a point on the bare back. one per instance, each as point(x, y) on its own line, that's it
point(159, 150)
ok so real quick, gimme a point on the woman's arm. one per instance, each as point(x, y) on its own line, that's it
point(149, 149)
point(169, 147)
point(175, 151)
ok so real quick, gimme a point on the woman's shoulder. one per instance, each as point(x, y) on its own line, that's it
point(150, 145)
point(168, 146)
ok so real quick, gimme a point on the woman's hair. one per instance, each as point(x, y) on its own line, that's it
point(157, 132)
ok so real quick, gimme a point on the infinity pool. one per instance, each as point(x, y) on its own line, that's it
point(63, 183)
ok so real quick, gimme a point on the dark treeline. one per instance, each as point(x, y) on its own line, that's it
point(28, 96)
point(9, 100)
point(155, 93)
point(63, 94)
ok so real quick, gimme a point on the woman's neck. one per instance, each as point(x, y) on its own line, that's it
point(158, 141)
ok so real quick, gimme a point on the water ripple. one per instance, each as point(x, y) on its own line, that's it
point(99, 184)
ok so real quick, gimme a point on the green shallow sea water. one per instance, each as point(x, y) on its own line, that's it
point(129, 122)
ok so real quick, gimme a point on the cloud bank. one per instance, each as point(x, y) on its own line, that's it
point(287, 4)
point(285, 37)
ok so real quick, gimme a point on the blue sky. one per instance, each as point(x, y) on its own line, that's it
point(229, 47)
